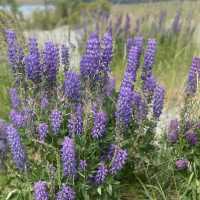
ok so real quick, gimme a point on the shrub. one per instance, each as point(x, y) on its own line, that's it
point(69, 135)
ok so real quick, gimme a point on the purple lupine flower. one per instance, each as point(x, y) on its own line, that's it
point(12, 48)
point(161, 21)
point(173, 131)
point(72, 86)
point(93, 45)
point(140, 107)
point(15, 100)
point(100, 123)
point(127, 25)
point(15, 53)
point(176, 25)
point(118, 157)
point(41, 191)
point(32, 62)
point(3, 144)
point(28, 115)
point(68, 157)
point(192, 77)
point(191, 137)
point(158, 101)
point(75, 123)
point(124, 106)
point(182, 164)
point(198, 65)
point(149, 85)
point(100, 174)
point(110, 86)
point(82, 165)
point(127, 80)
point(51, 55)
point(17, 119)
point(16, 147)
point(65, 56)
point(138, 42)
point(132, 64)
point(20, 55)
point(137, 26)
point(56, 119)
point(118, 24)
point(129, 44)
point(66, 193)
point(107, 50)
point(90, 62)
point(44, 102)
point(42, 131)
point(135, 42)
point(149, 57)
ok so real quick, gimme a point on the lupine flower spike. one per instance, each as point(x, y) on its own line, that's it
point(41, 191)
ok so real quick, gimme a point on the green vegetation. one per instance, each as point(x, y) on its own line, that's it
point(157, 178)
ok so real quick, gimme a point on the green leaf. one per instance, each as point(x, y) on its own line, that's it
point(99, 190)
point(109, 189)
point(11, 193)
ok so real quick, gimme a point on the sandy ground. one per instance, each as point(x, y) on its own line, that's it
point(60, 36)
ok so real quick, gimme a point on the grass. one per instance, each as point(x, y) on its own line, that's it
point(5, 83)
point(152, 9)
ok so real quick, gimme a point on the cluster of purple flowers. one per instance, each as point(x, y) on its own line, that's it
point(124, 105)
point(51, 55)
point(100, 174)
point(17, 118)
point(135, 42)
point(158, 100)
point(149, 58)
point(32, 62)
point(176, 25)
point(41, 191)
point(42, 131)
point(75, 122)
point(16, 147)
point(44, 102)
point(95, 67)
point(15, 100)
point(140, 107)
point(110, 86)
point(173, 131)
point(118, 157)
point(90, 62)
point(133, 60)
point(65, 56)
point(68, 157)
point(15, 52)
point(100, 122)
point(149, 85)
point(182, 164)
point(193, 76)
point(107, 50)
point(128, 97)
point(72, 86)
point(56, 119)
point(191, 137)
point(66, 193)
point(127, 25)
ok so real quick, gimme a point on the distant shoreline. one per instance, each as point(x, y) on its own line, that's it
point(30, 2)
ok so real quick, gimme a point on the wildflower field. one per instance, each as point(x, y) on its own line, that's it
point(122, 124)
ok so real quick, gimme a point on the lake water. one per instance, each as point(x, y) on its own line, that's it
point(28, 9)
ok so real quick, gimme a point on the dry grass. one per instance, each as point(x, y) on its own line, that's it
point(153, 9)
